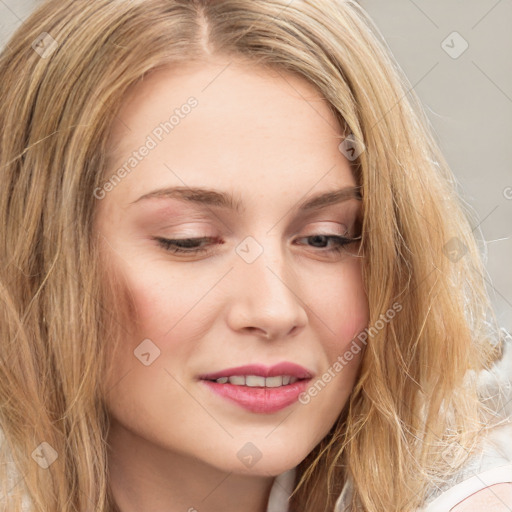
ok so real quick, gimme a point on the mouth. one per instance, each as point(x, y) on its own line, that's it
point(260, 389)
point(257, 381)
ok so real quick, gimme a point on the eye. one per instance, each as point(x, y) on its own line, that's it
point(339, 243)
point(186, 245)
point(201, 245)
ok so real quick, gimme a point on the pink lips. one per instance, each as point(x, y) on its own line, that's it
point(260, 399)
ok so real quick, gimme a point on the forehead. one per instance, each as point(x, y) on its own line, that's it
point(250, 125)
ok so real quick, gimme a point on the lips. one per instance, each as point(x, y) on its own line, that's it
point(258, 388)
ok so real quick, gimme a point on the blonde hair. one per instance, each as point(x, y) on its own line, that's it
point(412, 399)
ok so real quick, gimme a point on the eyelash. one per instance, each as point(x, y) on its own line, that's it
point(172, 246)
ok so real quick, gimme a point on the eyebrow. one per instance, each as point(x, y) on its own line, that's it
point(210, 197)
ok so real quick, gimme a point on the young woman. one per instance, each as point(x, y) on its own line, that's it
point(235, 273)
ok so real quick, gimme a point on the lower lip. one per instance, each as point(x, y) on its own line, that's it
point(259, 399)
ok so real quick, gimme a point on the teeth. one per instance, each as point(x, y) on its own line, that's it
point(237, 380)
point(254, 381)
point(258, 381)
point(274, 382)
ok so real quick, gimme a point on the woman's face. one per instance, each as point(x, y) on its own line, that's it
point(266, 287)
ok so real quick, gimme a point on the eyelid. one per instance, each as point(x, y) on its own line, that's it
point(198, 230)
point(348, 230)
point(312, 227)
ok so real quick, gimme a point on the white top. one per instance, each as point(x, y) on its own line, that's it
point(492, 465)
point(476, 483)
point(281, 491)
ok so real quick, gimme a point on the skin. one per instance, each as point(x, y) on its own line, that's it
point(270, 140)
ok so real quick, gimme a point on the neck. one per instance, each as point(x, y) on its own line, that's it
point(144, 476)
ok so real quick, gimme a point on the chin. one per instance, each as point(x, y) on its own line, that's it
point(270, 467)
point(265, 457)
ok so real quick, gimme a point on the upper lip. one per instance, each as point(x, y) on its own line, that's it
point(285, 368)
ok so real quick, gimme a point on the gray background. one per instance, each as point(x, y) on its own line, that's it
point(468, 100)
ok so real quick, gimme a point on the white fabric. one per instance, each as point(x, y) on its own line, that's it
point(280, 492)
point(460, 492)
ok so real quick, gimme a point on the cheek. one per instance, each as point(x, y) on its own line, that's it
point(164, 323)
point(160, 319)
point(341, 311)
point(164, 303)
point(339, 302)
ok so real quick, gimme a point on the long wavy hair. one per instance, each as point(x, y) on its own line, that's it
point(414, 413)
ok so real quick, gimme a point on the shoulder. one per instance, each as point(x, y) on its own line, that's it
point(497, 498)
point(489, 491)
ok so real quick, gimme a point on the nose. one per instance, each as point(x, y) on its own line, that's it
point(266, 298)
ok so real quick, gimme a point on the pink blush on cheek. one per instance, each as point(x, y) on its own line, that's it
point(168, 314)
